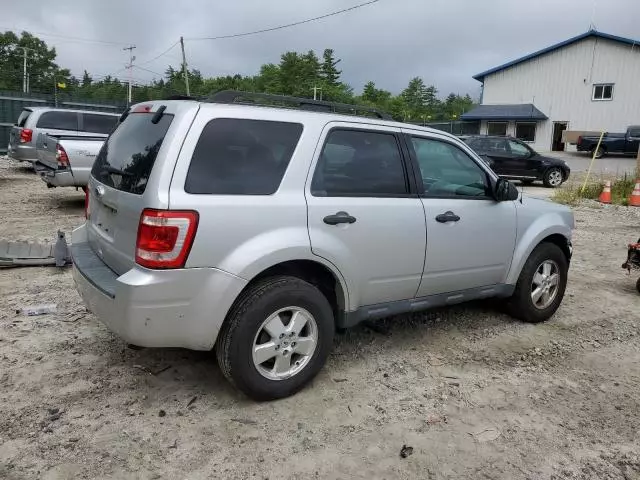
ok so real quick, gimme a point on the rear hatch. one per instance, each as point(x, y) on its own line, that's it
point(129, 175)
point(16, 130)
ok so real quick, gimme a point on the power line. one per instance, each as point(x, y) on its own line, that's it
point(309, 20)
point(66, 37)
point(162, 54)
point(147, 70)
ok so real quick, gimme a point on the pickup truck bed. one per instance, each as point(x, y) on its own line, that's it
point(66, 161)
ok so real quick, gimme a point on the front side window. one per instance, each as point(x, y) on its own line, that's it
point(602, 91)
point(236, 156)
point(526, 132)
point(359, 163)
point(58, 120)
point(497, 128)
point(519, 150)
point(634, 132)
point(447, 171)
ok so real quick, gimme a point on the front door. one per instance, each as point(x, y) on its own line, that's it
point(633, 140)
point(524, 162)
point(362, 215)
point(470, 236)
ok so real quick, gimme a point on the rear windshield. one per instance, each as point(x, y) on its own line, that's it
point(126, 159)
point(22, 119)
point(241, 157)
point(58, 120)
point(95, 123)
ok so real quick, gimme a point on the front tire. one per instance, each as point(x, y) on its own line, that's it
point(553, 178)
point(541, 285)
point(276, 337)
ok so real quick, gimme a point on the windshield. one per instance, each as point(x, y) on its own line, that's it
point(126, 159)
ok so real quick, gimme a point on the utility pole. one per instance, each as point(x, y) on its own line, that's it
point(185, 71)
point(130, 67)
point(315, 92)
point(24, 69)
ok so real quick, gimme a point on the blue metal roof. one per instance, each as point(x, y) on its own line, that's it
point(590, 33)
point(520, 111)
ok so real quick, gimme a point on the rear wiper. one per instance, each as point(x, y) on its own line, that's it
point(116, 171)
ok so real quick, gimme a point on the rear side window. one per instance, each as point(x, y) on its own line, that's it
point(241, 157)
point(359, 163)
point(126, 159)
point(22, 119)
point(95, 123)
point(58, 120)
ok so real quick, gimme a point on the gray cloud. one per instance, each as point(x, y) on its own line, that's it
point(443, 41)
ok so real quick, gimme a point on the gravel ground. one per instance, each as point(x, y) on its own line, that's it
point(472, 392)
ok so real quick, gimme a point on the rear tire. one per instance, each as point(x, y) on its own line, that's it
point(245, 331)
point(521, 305)
point(599, 153)
point(553, 177)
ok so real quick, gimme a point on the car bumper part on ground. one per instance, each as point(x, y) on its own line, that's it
point(154, 308)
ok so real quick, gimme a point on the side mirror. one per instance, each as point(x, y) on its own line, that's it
point(505, 190)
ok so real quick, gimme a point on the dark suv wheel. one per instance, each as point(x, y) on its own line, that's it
point(276, 337)
point(541, 285)
point(553, 177)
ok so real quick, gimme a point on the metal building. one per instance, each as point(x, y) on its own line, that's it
point(586, 83)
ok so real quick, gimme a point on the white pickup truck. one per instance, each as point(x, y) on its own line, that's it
point(66, 160)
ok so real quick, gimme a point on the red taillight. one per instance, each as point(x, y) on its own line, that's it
point(26, 135)
point(61, 157)
point(165, 237)
point(86, 202)
point(579, 139)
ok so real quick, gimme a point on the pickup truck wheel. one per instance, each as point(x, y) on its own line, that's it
point(276, 338)
point(599, 153)
point(553, 178)
point(541, 285)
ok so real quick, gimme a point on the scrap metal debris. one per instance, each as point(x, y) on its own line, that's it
point(26, 254)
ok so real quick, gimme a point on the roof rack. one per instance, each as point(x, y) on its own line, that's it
point(270, 100)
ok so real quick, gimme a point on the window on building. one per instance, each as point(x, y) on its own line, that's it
point(602, 91)
point(497, 128)
point(526, 132)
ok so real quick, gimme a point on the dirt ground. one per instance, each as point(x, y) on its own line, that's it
point(474, 394)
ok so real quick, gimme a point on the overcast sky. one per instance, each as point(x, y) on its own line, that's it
point(443, 41)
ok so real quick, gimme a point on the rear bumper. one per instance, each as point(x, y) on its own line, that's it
point(155, 308)
point(55, 178)
point(23, 153)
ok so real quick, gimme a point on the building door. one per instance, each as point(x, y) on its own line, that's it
point(556, 138)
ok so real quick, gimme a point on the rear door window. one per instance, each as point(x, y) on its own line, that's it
point(126, 159)
point(58, 120)
point(95, 123)
point(22, 119)
point(241, 157)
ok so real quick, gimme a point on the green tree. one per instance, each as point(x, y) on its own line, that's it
point(330, 74)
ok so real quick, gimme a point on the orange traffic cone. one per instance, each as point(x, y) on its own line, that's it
point(605, 196)
point(634, 198)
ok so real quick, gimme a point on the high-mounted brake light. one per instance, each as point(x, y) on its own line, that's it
point(142, 109)
point(61, 157)
point(165, 237)
point(26, 134)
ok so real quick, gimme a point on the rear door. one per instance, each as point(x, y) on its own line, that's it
point(14, 134)
point(362, 214)
point(127, 177)
point(498, 151)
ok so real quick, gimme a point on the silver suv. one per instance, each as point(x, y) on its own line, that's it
point(259, 230)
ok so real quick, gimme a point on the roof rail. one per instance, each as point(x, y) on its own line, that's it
point(267, 99)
